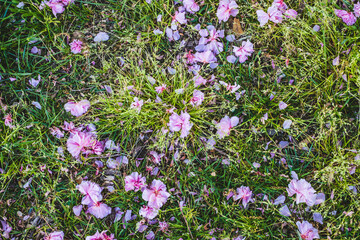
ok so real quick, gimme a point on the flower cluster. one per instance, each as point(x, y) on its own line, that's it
point(57, 6)
point(275, 13)
point(76, 46)
point(244, 194)
point(349, 17)
point(155, 194)
point(84, 142)
point(305, 193)
point(92, 198)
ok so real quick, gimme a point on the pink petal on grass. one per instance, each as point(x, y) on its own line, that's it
point(318, 218)
point(231, 59)
point(256, 165)
point(294, 175)
point(36, 104)
point(283, 144)
point(230, 38)
point(316, 28)
point(282, 105)
point(77, 210)
point(108, 89)
point(285, 211)
point(336, 61)
point(320, 198)
point(287, 124)
point(279, 200)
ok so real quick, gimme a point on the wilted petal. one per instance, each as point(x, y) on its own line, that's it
point(285, 211)
point(279, 200)
point(294, 175)
point(283, 144)
point(318, 218)
point(316, 28)
point(37, 105)
point(230, 38)
point(77, 210)
point(101, 36)
point(231, 59)
point(287, 124)
point(320, 198)
point(282, 105)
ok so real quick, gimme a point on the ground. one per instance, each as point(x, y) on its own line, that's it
point(314, 72)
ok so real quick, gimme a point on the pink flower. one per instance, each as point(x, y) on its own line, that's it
point(160, 89)
point(107, 237)
point(97, 147)
point(245, 194)
point(55, 236)
point(77, 109)
point(155, 157)
point(179, 17)
point(137, 104)
point(99, 209)
point(148, 212)
point(199, 80)
point(163, 226)
point(307, 231)
point(273, 14)
point(357, 9)
point(303, 190)
point(156, 195)
point(226, 9)
point(225, 125)
point(211, 43)
point(92, 192)
point(134, 182)
point(191, 6)
point(205, 57)
point(291, 13)
point(76, 46)
point(229, 87)
point(347, 17)
point(79, 142)
point(56, 6)
point(197, 99)
point(245, 51)
point(280, 5)
point(8, 120)
point(180, 122)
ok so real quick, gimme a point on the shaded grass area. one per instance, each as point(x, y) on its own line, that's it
point(322, 103)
